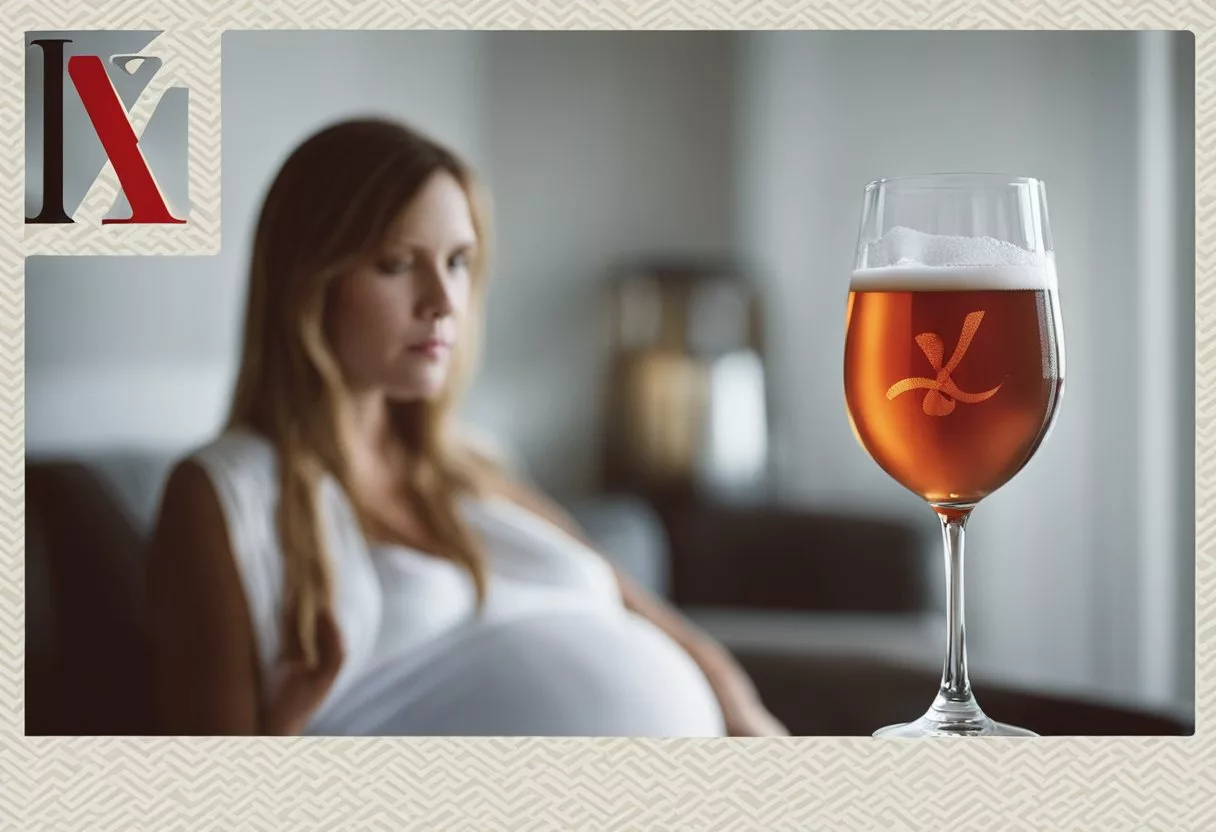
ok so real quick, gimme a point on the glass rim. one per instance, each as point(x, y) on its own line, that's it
point(963, 178)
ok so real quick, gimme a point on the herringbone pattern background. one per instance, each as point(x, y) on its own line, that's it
point(122, 785)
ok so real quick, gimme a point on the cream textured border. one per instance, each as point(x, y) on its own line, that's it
point(114, 784)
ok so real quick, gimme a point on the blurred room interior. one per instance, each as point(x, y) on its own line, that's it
point(675, 216)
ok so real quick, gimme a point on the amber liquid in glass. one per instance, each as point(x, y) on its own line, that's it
point(951, 391)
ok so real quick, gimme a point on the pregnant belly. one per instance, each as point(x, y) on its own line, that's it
point(569, 674)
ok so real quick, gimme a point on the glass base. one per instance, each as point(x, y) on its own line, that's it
point(948, 718)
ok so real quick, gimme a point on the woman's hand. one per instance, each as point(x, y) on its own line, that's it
point(749, 718)
point(301, 689)
point(742, 710)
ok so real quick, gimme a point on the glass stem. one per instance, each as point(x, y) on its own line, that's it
point(955, 687)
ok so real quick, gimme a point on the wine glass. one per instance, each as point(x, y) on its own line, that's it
point(953, 367)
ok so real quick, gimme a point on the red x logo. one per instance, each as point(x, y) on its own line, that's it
point(943, 392)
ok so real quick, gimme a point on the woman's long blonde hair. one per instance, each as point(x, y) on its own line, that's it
point(328, 211)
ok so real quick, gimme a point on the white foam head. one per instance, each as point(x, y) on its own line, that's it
point(905, 259)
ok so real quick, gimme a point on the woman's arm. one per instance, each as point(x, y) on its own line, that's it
point(742, 709)
point(206, 669)
point(207, 673)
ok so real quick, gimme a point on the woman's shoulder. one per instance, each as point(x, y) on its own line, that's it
point(237, 469)
point(238, 454)
point(237, 445)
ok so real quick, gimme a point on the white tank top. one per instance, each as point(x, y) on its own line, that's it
point(553, 653)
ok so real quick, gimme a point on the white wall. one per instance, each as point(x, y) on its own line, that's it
point(1054, 558)
point(144, 351)
point(1166, 389)
point(604, 147)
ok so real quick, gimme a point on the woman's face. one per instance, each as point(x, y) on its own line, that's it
point(394, 322)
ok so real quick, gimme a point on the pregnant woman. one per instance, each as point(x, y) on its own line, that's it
point(338, 560)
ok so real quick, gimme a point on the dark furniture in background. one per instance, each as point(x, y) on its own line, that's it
point(767, 557)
